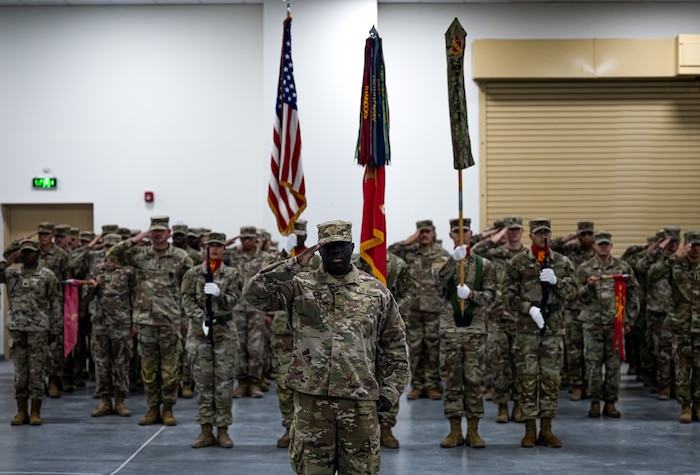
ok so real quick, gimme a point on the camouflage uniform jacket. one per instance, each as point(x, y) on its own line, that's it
point(158, 278)
point(522, 289)
point(502, 318)
point(399, 279)
point(35, 299)
point(599, 303)
point(83, 260)
point(684, 316)
point(196, 256)
point(446, 274)
point(194, 299)
point(55, 259)
point(113, 296)
point(482, 248)
point(428, 297)
point(658, 290)
point(349, 338)
point(246, 265)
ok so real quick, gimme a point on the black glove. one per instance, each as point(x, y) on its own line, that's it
point(383, 404)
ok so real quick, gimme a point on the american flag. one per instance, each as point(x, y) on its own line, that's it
point(286, 193)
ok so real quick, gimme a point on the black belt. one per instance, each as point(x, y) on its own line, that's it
point(553, 307)
point(222, 320)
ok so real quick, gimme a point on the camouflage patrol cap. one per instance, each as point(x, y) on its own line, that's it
point(125, 233)
point(672, 232)
point(248, 231)
point(585, 227)
point(135, 231)
point(194, 232)
point(87, 236)
point(180, 229)
point(425, 224)
point(160, 223)
point(264, 234)
point(46, 227)
point(109, 228)
point(215, 238)
point(692, 237)
point(513, 222)
point(334, 231)
point(466, 224)
point(111, 239)
point(602, 237)
point(300, 227)
point(74, 232)
point(539, 224)
point(30, 245)
point(499, 223)
point(62, 230)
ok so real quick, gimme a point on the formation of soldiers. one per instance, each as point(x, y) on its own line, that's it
point(494, 318)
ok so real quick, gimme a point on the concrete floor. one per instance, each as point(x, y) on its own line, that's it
point(647, 439)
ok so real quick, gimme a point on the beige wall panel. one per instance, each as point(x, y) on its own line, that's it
point(649, 57)
point(688, 54)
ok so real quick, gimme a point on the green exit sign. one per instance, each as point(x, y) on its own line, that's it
point(44, 183)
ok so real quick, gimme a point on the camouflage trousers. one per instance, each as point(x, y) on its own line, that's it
point(422, 333)
point(686, 351)
point(159, 349)
point(214, 371)
point(111, 350)
point(54, 357)
point(573, 346)
point(282, 346)
point(598, 343)
point(538, 361)
point(185, 367)
point(662, 344)
point(330, 434)
point(251, 330)
point(462, 368)
point(500, 353)
point(646, 349)
point(28, 351)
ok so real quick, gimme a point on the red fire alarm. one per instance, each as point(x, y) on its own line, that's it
point(148, 197)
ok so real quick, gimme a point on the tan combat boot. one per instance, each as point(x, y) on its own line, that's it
point(264, 384)
point(530, 434)
point(187, 392)
point(242, 389)
point(387, 439)
point(696, 412)
point(222, 437)
point(665, 393)
point(547, 437)
point(576, 393)
point(151, 417)
point(35, 416)
point(454, 438)
point(474, 440)
point(22, 416)
point(168, 418)
point(54, 392)
point(434, 394)
point(502, 416)
point(283, 442)
point(610, 410)
point(254, 389)
point(205, 438)
point(594, 411)
point(119, 406)
point(686, 414)
point(105, 407)
point(415, 394)
point(516, 415)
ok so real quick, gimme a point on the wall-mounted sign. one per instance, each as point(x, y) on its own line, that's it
point(44, 183)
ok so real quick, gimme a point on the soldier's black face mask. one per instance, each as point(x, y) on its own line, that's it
point(336, 257)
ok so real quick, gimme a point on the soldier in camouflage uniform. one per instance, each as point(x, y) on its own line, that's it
point(578, 252)
point(658, 303)
point(35, 317)
point(74, 238)
point(402, 284)
point(419, 251)
point(684, 321)
point(597, 296)
point(113, 289)
point(250, 321)
point(159, 270)
point(501, 325)
point(349, 358)
point(213, 363)
point(540, 357)
point(463, 335)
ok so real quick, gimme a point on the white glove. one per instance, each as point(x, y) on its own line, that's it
point(536, 315)
point(205, 328)
point(548, 275)
point(290, 243)
point(459, 253)
point(463, 291)
point(210, 288)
